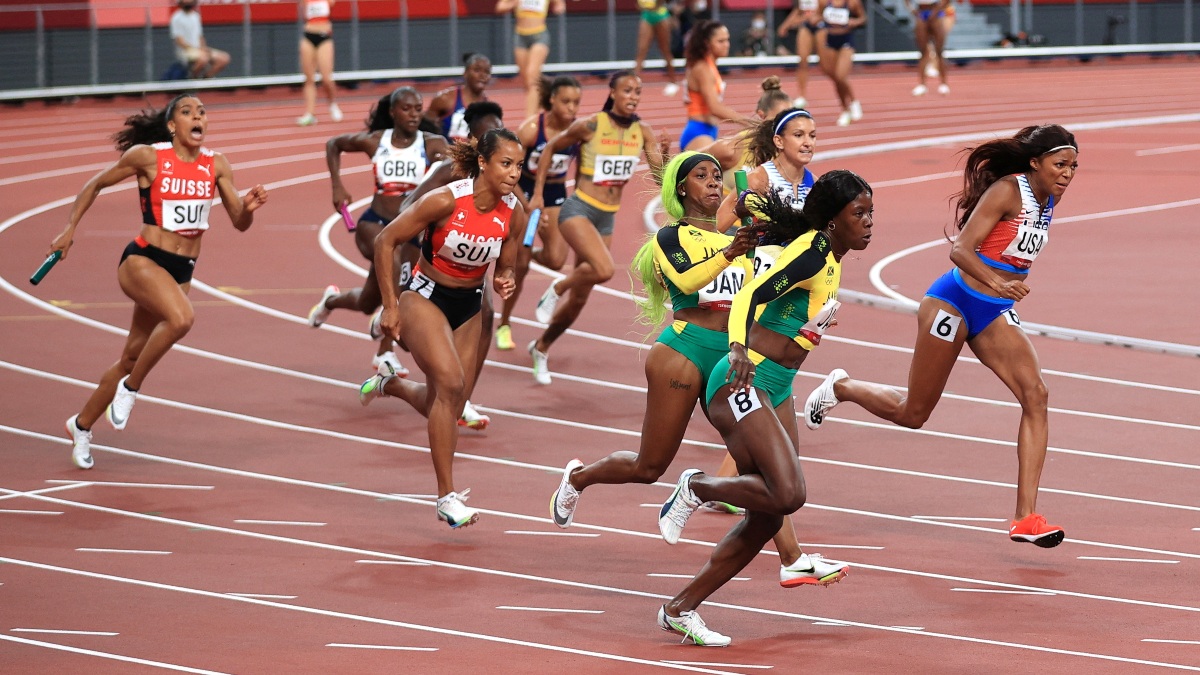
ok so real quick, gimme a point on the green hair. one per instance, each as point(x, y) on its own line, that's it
point(652, 309)
point(671, 179)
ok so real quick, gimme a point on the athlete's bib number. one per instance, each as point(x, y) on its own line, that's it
point(466, 251)
point(743, 402)
point(719, 294)
point(1031, 238)
point(404, 173)
point(647, 4)
point(316, 9)
point(808, 5)
point(536, 6)
point(458, 130)
point(1010, 315)
point(185, 215)
point(614, 169)
point(558, 163)
point(837, 16)
point(945, 326)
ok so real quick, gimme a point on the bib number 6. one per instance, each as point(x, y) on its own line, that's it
point(743, 402)
point(945, 326)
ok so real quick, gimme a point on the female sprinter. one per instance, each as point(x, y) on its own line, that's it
point(842, 18)
point(400, 155)
point(611, 143)
point(707, 42)
point(805, 17)
point(776, 319)
point(560, 100)
point(655, 24)
point(532, 43)
point(929, 31)
point(475, 221)
point(733, 151)
point(446, 109)
point(781, 148)
point(1010, 188)
point(177, 178)
point(316, 55)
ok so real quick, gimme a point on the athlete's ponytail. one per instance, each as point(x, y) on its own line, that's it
point(147, 126)
point(652, 309)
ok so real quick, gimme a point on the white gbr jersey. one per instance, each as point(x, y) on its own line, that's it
point(399, 170)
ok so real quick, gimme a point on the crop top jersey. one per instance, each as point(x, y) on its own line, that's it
point(454, 127)
point(611, 156)
point(560, 162)
point(1013, 245)
point(180, 196)
point(795, 297)
point(837, 17)
point(316, 9)
point(532, 9)
point(693, 269)
point(399, 170)
point(468, 241)
point(792, 194)
point(696, 105)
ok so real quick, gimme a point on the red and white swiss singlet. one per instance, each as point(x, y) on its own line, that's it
point(181, 194)
point(469, 241)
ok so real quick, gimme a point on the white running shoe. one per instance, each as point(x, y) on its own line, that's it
point(398, 368)
point(565, 498)
point(546, 304)
point(541, 369)
point(931, 71)
point(943, 89)
point(843, 120)
point(855, 111)
point(799, 102)
point(335, 113)
point(319, 314)
point(812, 569)
point(373, 387)
point(920, 90)
point(678, 508)
point(473, 419)
point(373, 328)
point(81, 453)
point(122, 404)
point(454, 511)
point(670, 90)
point(691, 627)
point(306, 120)
point(822, 400)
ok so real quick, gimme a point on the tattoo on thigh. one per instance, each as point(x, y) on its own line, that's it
point(676, 384)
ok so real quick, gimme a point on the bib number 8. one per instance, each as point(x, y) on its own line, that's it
point(743, 402)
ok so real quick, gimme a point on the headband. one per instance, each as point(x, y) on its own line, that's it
point(686, 166)
point(1060, 147)
point(788, 118)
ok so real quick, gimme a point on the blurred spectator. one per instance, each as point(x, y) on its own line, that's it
point(190, 47)
point(754, 39)
point(687, 13)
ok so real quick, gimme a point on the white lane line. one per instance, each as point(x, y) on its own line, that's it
point(550, 609)
point(718, 665)
point(538, 533)
point(298, 523)
point(909, 627)
point(391, 647)
point(63, 632)
point(966, 519)
point(811, 544)
point(840, 624)
point(106, 655)
point(418, 563)
point(31, 512)
point(1173, 642)
point(158, 486)
point(267, 596)
point(122, 550)
point(1167, 151)
point(1134, 560)
point(663, 575)
point(1001, 591)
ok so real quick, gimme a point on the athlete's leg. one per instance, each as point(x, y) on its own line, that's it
point(325, 66)
point(152, 288)
point(139, 331)
point(308, 66)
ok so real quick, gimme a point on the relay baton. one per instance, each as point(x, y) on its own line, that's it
point(531, 228)
point(739, 184)
point(44, 269)
point(350, 225)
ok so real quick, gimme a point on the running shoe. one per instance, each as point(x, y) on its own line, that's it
point(1032, 529)
point(504, 341)
point(943, 89)
point(541, 371)
point(822, 400)
point(691, 627)
point(799, 102)
point(398, 368)
point(546, 304)
point(844, 119)
point(931, 71)
point(453, 510)
point(855, 111)
point(306, 120)
point(373, 328)
point(335, 113)
point(373, 387)
point(722, 507)
point(473, 419)
point(122, 404)
point(319, 314)
point(920, 90)
point(812, 569)
point(81, 453)
point(670, 90)
point(678, 508)
point(565, 498)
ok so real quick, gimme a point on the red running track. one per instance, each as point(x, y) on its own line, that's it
point(255, 519)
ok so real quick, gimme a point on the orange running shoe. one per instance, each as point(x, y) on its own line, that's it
point(1032, 529)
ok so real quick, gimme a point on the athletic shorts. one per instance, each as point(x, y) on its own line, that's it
point(701, 346)
point(553, 194)
point(178, 266)
point(769, 376)
point(927, 14)
point(655, 16)
point(978, 310)
point(696, 128)
point(315, 39)
point(458, 305)
point(528, 41)
point(838, 41)
point(813, 28)
point(574, 207)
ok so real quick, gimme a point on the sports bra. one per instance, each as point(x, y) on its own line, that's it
point(180, 196)
point(316, 9)
point(792, 194)
point(398, 170)
point(696, 105)
point(454, 127)
point(560, 162)
point(1013, 245)
point(612, 155)
point(468, 241)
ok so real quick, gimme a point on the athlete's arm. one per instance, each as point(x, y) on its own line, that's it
point(654, 154)
point(435, 147)
point(1000, 202)
point(432, 208)
point(706, 84)
point(504, 280)
point(795, 267)
point(240, 208)
point(858, 16)
point(439, 175)
point(505, 6)
point(440, 106)
point(140, 160)
point(580, 131)
point(365, 141)
point(756, 181)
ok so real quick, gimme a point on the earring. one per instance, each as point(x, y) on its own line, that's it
point(683, 194)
